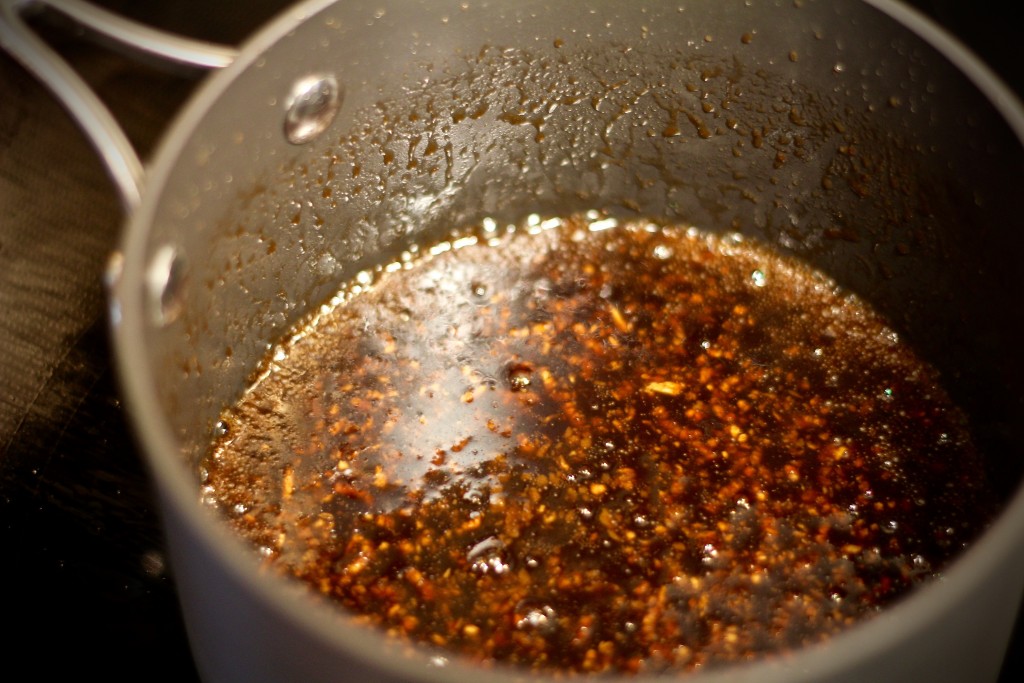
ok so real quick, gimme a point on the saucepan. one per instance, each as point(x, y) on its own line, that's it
point(854, 135)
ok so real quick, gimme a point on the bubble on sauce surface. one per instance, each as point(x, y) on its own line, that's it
point(520, 376)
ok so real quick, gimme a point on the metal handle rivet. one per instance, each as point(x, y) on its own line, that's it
point(311, 107)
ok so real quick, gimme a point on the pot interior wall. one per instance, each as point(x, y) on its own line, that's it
point(821, 128)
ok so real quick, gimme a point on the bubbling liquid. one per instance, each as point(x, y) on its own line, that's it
point(578, 446)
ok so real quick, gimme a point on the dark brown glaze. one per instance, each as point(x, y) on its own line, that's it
point(587, 447)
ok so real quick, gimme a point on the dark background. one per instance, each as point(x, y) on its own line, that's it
point(82, 571)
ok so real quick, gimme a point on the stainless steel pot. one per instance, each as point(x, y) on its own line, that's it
point(854, 135)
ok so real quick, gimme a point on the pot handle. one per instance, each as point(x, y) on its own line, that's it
point(20, 41)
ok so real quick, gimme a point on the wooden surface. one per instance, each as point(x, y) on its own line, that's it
point(85, 584)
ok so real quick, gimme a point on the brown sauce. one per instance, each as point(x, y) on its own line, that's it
point(580, 449)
